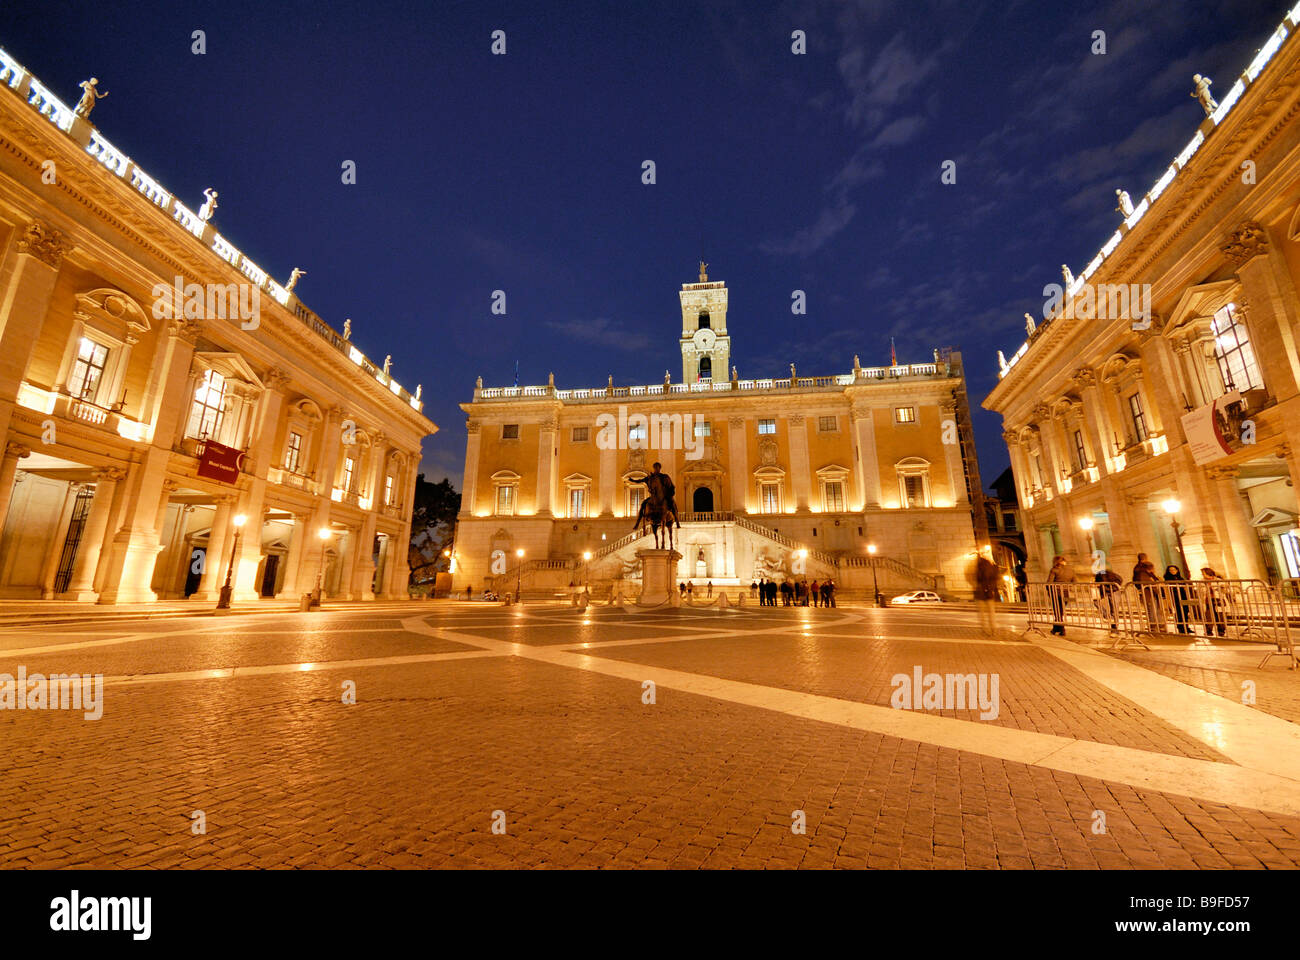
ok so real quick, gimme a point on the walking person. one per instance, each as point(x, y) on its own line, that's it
point(1108, 598)
point(753, 589)
point(1215, 619)
point(1057, 578)
point(828, 593)
point(813, 589)
point(1144, 575)
point(709, 590)
point(984, 579)
point(1178, 598)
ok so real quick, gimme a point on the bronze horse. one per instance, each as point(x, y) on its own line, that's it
point(657, 510)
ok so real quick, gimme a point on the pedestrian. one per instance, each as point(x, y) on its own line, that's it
point(787, 590)
point(984, 576)
point(828, 593)
point(690, 589)
point(1177, 596)
point(813, 588)
point(1108, 595)
point(1215, 618)
point(1057, 578)
point(681, 588)
point(1144, 575)
point(469, 592)
point(709, 593)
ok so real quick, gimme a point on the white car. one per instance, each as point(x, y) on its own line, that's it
point(918, 596)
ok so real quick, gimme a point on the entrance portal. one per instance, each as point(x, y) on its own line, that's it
point(702, 500)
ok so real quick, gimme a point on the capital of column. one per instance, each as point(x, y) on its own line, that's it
point(1245, 243)
point(43, 242)
point(109, 474)
point(17, 450)
point(275, 379)
point(187, 330)
point(736, 422)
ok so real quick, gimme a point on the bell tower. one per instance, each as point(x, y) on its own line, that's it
point(706, 347)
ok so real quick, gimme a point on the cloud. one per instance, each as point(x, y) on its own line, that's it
point(600, 332)
point(809, 240)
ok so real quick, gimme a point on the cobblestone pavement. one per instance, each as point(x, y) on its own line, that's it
point(535, 719)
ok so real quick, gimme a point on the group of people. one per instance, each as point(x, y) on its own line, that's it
point(688, 589)
point(1188, 602)
point(794, 593)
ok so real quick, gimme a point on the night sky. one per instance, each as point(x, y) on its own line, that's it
point(522, 172)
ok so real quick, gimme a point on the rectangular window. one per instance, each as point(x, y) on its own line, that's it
point(636, 431)
point(1138, 417)
point(506, 500)
point(580, 434)
point(1038, 471)
point(634, 497)
point(834, 496)
point(577, 503)
point(914, 488)
point(905, 414)
point(88, 369)
point(388, 491)
point(769, 498)
point(1008, 521)
point(349, 467)
point(1234, 352)
point(509, 431)
point(703, 428)
point(209, 406)
point(294, 453)
point(827, 424)
point(767, 426)
point(1080, 453)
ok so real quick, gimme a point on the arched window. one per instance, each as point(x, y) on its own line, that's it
point(704, 321)
point(702, 500)
point(706, 369)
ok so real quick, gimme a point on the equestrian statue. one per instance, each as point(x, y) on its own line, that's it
point(659, 508)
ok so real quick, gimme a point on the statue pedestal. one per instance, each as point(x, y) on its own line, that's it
point(658, 576)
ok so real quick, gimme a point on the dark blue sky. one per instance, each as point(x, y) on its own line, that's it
point(523, 172)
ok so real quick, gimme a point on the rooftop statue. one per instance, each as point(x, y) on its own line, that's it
point(388, 364)
point(1202, 93)
point(209, 205)
point(1069, 277)
point(294, 278)
point(1125, 203)
point(1029, 324)
point(704, 272)
point(88, 97)
point(347, 329)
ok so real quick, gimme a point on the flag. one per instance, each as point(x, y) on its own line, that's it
point(516, 373)
point(893, 355)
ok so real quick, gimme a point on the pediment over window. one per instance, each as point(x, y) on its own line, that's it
point(1273, 517)
point(505, 476)
point(230, 365)
point(113, 312)
point(307, 409)
point(833, 471)
point(1115, 366)
point(1201, 301)
point(912, 465)
point(769, 473)
point(576, 479)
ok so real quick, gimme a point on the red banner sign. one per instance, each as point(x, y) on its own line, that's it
point(219, 462)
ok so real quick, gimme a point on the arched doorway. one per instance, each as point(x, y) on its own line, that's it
point(702, 500)
point(706, 369)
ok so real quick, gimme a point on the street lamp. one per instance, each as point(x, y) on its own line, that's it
point(324, 534)
point(586, 573)
point(519, 575)
point(1172, 508)
point(875, 586)
point(223, 598)
point(1085, 524)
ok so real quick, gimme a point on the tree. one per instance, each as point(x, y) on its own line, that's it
point(433, 527)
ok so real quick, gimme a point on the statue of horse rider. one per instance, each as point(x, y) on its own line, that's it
point(659, 486)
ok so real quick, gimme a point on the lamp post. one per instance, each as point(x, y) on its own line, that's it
point(1085, 524)
point(223, 598)
point(1172, 508)
point(875, 586)
point(519, 575)
point(324, 534)
point(586, 573)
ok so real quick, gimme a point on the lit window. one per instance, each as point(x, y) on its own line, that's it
point(1138, 416)
point(1080, 453)
point(827, 424)
point(349, 467)
point(635, 431)
point(769, 498)
point(635, 494)
point(580, 434)
point(294, 453)
point(767, 426)
point(705, 322)
point(1233, 351)
point(388, 491)
point(834, 496)
point(914, 491)
point(905, 414)
point(510, 431)
point(506, 500)
point(209, 406)
point(703, 428)
point(577, 503)
point(88, 369)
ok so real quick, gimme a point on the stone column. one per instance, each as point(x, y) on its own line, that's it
point(292, 586)
point(469, 488)
point(868, 466)
point(1268, 304)
point(799, 466)
point(363, 560)
point(8, 469)
point(28, 270)
point(214, 565)
point(545, 485)
point(738, 463)
point(84, 567)
point(607, 482)
point(1240, 545)
point(50, 570)
point(134, 552)
point(952, 456)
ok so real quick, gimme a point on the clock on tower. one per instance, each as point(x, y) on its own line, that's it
point(706, 347)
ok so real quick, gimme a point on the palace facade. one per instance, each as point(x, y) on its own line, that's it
point(1173, 429)
point(788, 476)
point(169, 411)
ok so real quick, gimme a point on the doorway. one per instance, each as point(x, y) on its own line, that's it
point(272, 567)
point(702, 500)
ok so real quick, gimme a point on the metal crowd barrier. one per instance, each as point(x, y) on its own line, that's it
point(1249, 610)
